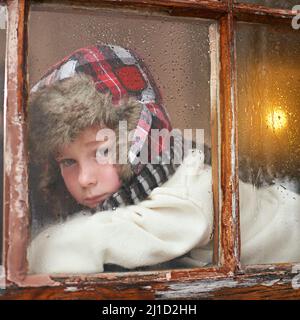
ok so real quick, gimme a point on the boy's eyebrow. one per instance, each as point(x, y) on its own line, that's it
point(60, 157)
point(94, 142)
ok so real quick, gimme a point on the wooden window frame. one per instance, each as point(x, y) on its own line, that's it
point(227, 279)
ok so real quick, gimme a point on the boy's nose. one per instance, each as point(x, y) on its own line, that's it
point(86, 177)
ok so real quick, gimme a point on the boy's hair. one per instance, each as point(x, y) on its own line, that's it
point(60, 112)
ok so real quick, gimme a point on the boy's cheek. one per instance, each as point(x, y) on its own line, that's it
point(69, 173)
point(70, 182)
point(112, 178)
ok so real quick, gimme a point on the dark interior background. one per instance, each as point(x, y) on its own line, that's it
point(268, 70)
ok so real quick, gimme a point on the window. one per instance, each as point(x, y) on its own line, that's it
point(169, 46)
point(227, 275)
point(268, 113)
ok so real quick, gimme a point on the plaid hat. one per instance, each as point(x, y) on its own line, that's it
point(122, 74)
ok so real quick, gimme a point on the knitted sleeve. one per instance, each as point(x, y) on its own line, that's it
point(172, 221)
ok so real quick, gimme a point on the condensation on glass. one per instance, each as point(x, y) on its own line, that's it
point(268, 64)
point(2, 73)
point(176, 50)
point(282, 4)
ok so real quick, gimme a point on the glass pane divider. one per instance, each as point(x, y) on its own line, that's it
point(214, 36)
point(229, 224)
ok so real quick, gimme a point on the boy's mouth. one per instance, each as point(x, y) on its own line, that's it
point(92, 201)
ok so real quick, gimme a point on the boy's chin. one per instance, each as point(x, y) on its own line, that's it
point(92, 206)
point(94, 203)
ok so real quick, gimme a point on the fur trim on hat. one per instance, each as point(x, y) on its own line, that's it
point(60, 112)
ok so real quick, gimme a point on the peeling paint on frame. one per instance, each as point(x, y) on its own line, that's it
point(174, 284)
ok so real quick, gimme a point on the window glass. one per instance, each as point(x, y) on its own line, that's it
point(168, 60)
point(268, 61)
point(283, 4)
point(2, 68)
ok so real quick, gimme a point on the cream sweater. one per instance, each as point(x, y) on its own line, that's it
point(175, 220)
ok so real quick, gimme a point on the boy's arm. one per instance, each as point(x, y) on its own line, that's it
point(167, 225)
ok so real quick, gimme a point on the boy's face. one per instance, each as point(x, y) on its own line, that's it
point(89, 181)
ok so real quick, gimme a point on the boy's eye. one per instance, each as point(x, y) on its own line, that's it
point(102, 152)
point(67, 162)
point(102, 155)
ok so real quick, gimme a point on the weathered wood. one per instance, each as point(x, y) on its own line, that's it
point(229, 233)
point(261, 14)
point(15, 164)
point(214, 39)
point(219, 6)
point(227, 282)
point(268, 285)
point(123, 277)
point(184, 8)
point(203, 9)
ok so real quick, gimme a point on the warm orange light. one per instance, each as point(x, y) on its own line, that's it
point(276, 119)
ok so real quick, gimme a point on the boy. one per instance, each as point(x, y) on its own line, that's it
point(140, 213)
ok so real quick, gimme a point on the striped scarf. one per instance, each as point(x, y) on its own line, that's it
point(150, 177)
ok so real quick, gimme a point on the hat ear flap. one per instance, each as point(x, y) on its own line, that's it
point(127, 110)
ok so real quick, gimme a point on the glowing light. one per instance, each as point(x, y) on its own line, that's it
point(277, 119)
